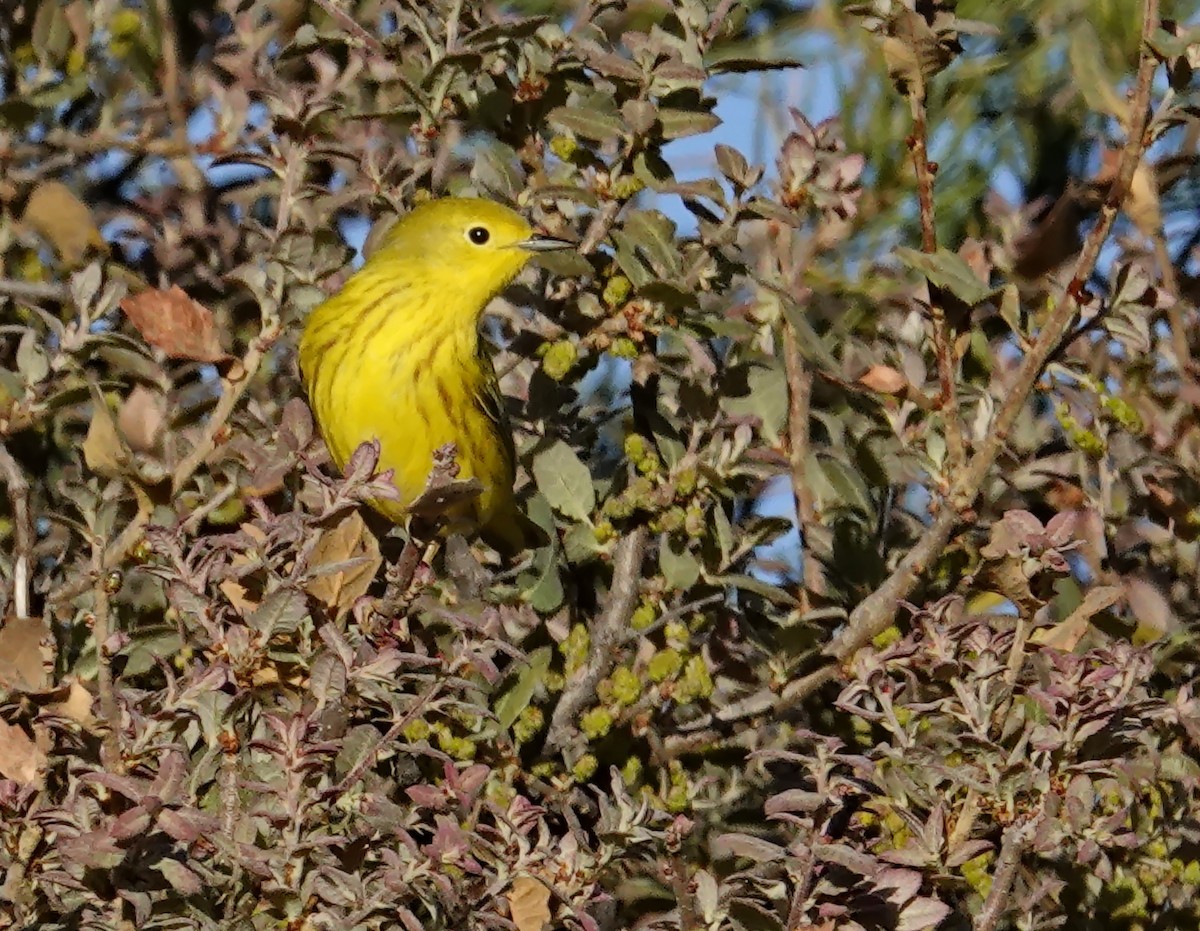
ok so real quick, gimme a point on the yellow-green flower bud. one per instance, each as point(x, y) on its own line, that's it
point(585, 767)
point(644, 615)
point(624, 348)
point(665, 664)
point(559, 358)
point(596, 723)
point(616, 290)
point(626, 686)
point(564, 147)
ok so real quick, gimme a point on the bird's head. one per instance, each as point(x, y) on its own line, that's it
point(466, 246)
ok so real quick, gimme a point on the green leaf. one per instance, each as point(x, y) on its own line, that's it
point(32, 362)
point(565, 481)
point(766, 399)
point(847, 484)
point(679, 123)
point(655, 235)
point(542, 586)
point(680, 570)
point(580, 543)
point(591, 124)
point(947, 270)
point(758, 586)
point(509, 706)
point(496, 172)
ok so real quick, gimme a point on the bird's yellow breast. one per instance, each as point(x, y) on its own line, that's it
point(380, 362)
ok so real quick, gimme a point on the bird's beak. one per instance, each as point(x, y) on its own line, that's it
point(544, 244)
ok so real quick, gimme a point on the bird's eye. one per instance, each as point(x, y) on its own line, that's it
point(478, 235)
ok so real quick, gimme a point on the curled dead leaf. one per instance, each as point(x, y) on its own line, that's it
point(883, 379)
point(529, 904)
point(104, 451)
point(176, 324)
point(142, 418)
point(348, 541)
point(26, 654)
point(63, 220)
point(20, 758)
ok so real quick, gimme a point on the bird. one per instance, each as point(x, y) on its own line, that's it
point(395, 356)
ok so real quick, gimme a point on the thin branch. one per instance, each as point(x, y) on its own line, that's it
point(101, 629)
point(800, 382)
point(34, 290)
point(943, 338)
point(607, 635)
point(878, 609)
point(1017, 839)
point(18, 497)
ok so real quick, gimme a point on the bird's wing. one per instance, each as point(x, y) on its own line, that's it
point(491, 401)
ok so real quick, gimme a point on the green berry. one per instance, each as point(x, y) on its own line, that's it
point(596, 723)
point(527, 725)
point(616, 291)
point(643, 616)
point(625, 686)
point(564, 147)
point(575, 648)
point(625, 187)
point(559, 358)
point(416, 730)
point(624, 348)
point(665, 664)
point(585, 767)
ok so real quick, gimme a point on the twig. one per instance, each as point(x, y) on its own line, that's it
point(400, 580)
point(601, 223)
point(943, 341)
point(1175, 313)
point(1017, 839)
point(33, 290)
point(800, 382)
point(352, 27)
point(803, 886)
point(385, 739)
point(607, 635)
point(104, 679)
point(18, 497)
point(677, 874)
point(876, 611)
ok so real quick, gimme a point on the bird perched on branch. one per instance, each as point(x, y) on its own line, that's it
point(395, 356)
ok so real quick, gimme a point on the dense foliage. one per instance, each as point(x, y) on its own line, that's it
point(952, 329)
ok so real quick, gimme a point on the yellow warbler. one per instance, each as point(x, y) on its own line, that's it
point(395, 356)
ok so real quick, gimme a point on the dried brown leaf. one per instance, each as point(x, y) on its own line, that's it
point(142, 418)
point(20, 758)
point(77, 705)
point(529, 903)
point(63, 220)
point(25, 654)
point(348, 539)
point(103, 450)
point(884, 379)
point(176, 324)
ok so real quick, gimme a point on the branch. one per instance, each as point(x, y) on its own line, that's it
point(943, 338)
point(877, 611)
point(109, 709)
point(607, 636)
point(34, 290)
point(800, 381)
point(1016, 841)
point(18, 497)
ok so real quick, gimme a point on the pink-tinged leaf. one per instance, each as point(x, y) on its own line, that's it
point(746, 845)
point(794, 800)
point(968, 851)
point(922, 914)
point(180, 877)
point(186, 825)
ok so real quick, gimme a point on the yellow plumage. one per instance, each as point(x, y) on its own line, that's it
point(395, 355)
